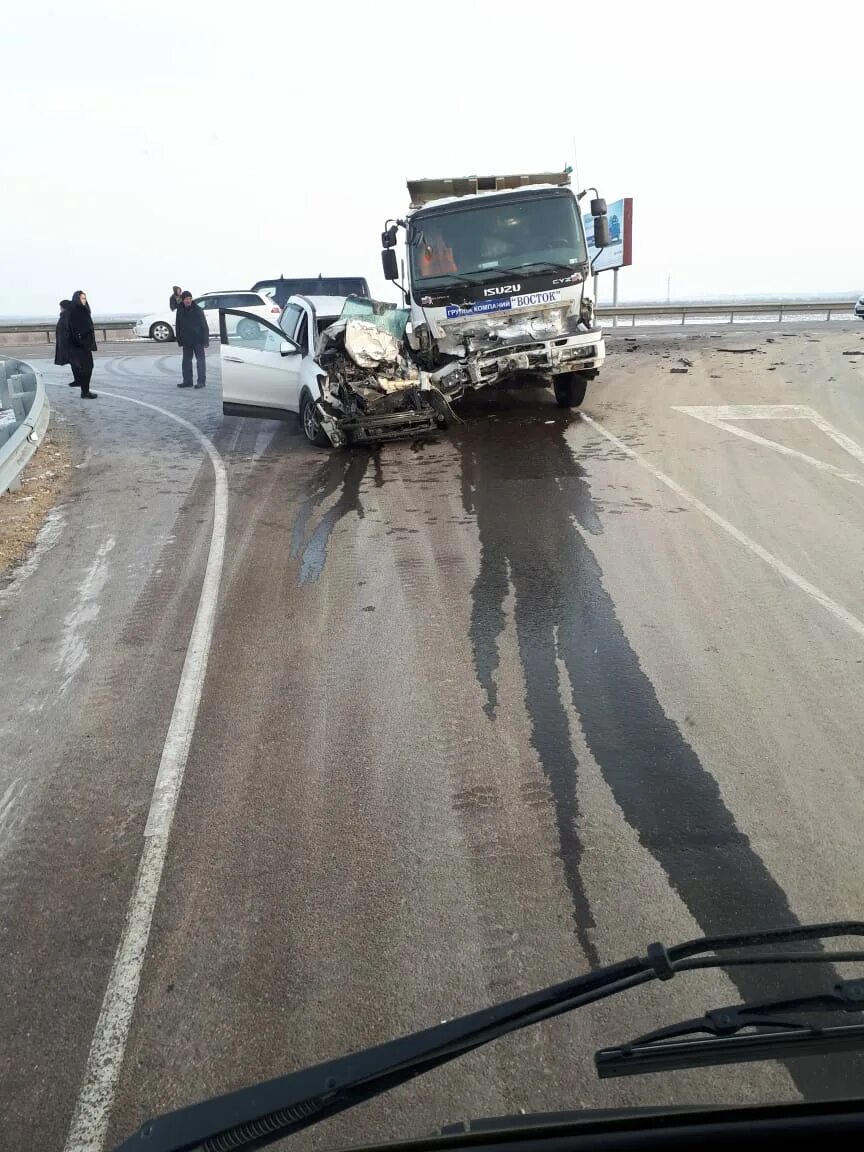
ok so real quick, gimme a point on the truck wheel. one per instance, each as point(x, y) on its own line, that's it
point(161, 332)
point(312, 429)
point(569, 389)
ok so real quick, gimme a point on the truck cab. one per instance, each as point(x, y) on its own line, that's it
point(497, 282)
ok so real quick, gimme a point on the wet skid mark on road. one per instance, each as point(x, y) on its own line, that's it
point(339, 472)
point(525, 488)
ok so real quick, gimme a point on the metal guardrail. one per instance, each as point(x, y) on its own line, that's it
point(771, 310)
point(42, 331)
point(24, 415)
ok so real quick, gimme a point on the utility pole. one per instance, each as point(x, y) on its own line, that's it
point(669, 288)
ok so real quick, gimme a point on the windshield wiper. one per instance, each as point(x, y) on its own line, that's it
point(550, 264)
point(447, 277)
point(775, 1035)
point(254, 1117)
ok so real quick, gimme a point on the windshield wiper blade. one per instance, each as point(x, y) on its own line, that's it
point(447, 277)
point(666, 1049)
point(254, 1117)
point(571, 269)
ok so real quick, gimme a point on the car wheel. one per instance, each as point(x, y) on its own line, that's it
point(312, 429)
point(161, 332)
point(247, 330)
point(570, 389)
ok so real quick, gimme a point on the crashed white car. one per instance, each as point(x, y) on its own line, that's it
point(341, 363)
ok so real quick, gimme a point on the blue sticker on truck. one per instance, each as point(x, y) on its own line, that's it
point(479, 308)
point(526, 300)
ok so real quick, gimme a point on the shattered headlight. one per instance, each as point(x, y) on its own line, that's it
point(550, 324)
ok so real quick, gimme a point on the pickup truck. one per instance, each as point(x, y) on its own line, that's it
point(339, 363)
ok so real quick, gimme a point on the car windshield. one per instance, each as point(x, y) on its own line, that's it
point(495, 237)
point(388, 317)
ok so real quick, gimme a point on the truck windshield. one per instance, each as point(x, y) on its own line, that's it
point(498, 236)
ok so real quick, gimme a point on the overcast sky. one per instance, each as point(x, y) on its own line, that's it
point(216, 143)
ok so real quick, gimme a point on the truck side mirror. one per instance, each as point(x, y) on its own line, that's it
point(601, 231)
point(389, 264)
point(388, 237)
point(598, 207)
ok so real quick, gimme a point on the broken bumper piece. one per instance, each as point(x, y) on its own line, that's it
point(404, 415)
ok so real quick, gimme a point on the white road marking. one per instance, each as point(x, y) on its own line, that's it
point(89, 1125)
point(822, 598)
point(721, 415)
point(73, 651)
point(8, 816)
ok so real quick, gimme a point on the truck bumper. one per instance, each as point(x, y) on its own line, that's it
point(583, 353)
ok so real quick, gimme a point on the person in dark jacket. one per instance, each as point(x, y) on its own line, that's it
point(61, 338)
point(176, 298)
point(82, 344)
point(193, 335)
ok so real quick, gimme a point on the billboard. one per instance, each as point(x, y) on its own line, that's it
point(619, 254)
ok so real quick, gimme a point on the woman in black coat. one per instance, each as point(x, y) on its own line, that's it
point(82, 344)
point(61, 337)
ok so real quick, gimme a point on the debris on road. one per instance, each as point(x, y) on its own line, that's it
point(742, 351)
point(680, 371)
point(683, 360)
point(855, 352)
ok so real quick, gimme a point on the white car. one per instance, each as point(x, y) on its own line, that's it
point(340, 363)
point(859, 308)
point(160, 325)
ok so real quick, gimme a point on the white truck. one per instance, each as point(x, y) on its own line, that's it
point(498, 282)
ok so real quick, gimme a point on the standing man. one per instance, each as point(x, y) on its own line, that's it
point(61, 338)
point(193, 335)
point(82, 344)
point(176, 298)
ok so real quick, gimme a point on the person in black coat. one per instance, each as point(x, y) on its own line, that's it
point(82, 344)
point(61, 338)
point(193, 335)
point(176, 298)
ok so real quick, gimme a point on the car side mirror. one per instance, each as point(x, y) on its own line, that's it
point(390, 264)
point(286, 348)
point(601, 231)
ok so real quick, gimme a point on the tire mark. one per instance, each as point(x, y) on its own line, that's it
point(525, 488)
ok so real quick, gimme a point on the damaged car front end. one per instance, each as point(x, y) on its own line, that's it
point(369, 387)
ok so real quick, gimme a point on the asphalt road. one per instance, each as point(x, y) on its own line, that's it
point(478, 714)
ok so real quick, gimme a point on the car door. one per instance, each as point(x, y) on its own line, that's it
point(260, 366)
point(211, 305)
